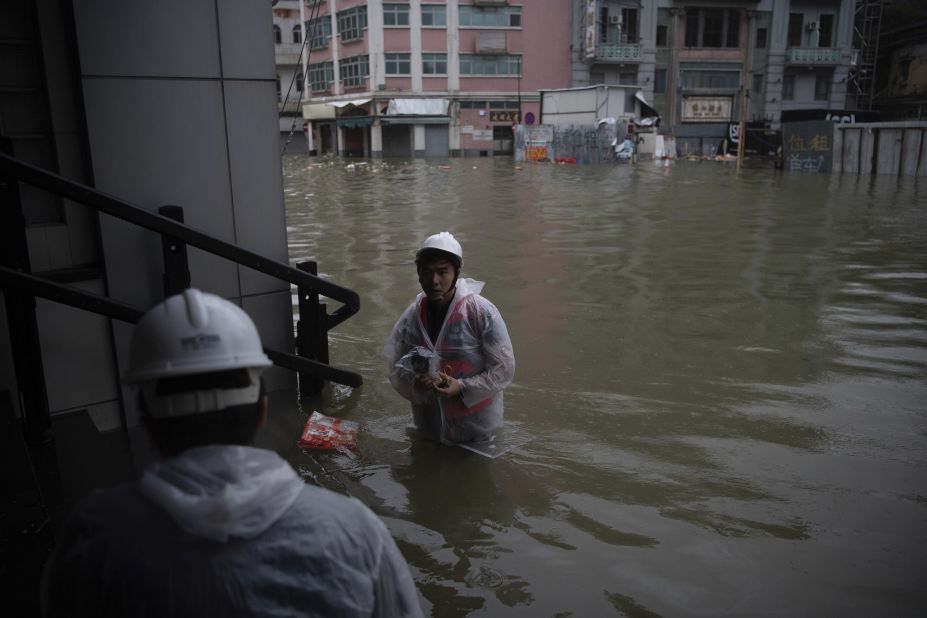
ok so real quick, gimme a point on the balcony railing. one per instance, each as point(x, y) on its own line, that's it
point(288, 53)
point(812, 55)
point(625, 52)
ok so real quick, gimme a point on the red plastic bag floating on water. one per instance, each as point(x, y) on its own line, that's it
point(325, 432)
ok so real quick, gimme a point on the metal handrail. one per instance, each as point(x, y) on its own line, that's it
point(75, 297)
point(49, 181)
point(121, 209)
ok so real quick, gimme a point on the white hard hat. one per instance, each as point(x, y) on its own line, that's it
point(195, 333)
point(443, 241)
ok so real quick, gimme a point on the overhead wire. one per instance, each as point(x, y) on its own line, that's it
point(313, 14)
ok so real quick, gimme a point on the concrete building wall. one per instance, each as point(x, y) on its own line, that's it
point(181, 109)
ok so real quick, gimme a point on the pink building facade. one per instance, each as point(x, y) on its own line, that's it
point(429, 77)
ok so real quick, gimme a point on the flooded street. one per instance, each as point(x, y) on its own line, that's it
point(720, 386)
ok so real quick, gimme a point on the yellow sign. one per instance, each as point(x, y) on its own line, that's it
point(536, 153)
point(504, 117)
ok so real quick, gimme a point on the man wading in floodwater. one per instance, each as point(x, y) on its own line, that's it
point(450, 353)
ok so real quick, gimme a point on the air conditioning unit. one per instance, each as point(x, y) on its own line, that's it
point(615, 20)
point(811, 25)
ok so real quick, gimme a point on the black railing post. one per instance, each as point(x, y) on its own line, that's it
point(176, 267)
point(311, 332)
point(20, 314)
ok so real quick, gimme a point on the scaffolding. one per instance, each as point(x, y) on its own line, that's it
point(866, 28)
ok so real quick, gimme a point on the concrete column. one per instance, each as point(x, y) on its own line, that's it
point(208, 142)
point(376, 140)
point(415, 43)
point(453, 144)
point(453, 47)
point(418, 140)
point(375, 44)
point(333, 45)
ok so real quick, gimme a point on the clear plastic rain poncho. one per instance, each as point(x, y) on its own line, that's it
point(226, 531)
point(473, 346)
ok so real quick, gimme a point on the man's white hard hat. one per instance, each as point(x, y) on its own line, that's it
point(443, 241)
point(190, 334)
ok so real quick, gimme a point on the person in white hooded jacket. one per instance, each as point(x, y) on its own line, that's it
point(449, 353)
point(217, 527)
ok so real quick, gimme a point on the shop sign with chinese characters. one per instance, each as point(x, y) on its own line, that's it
point(808, 146)
point(504, 117)
point(706, 109)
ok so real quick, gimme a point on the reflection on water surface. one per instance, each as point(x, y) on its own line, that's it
point(720, 381)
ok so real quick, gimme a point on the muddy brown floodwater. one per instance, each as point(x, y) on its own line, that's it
point(721, 392)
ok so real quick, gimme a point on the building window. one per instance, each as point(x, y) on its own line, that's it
point(796, 21)
point(278, 38)
point(712, 27)
point(510, 105)
point(761, 34)
point(659, 81)
point(354, 71)
point(716, 28)
point(473, 105)
point(826, 31)
point(395, 14)
point(434, 15)
point(788, 87)
point(629, 26)
point(352, 22)
point(297, 34)
point(299, 82)
point(661, 36)
point(707, 78)
point(479, 64)
point(279, 90)
point(490, 16)
point(434, 64)
point(318, 31)
point(757, 83)
point(398, 64)
point(320, 76)
point(732, 38)
point(822, 88)
point(603, 25)
point(692, 19)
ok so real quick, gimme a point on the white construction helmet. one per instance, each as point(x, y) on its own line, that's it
point(443, 241)
point(189, 334)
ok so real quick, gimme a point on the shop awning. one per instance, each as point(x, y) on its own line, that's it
point(414, 120)
point(354, 102)
point(646, 110)
point(318, 111)
point(417, 107)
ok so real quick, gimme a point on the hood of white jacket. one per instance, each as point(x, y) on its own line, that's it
point(465, 287)
point(220, 491)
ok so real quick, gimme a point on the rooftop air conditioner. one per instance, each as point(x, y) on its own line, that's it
point(812, 25)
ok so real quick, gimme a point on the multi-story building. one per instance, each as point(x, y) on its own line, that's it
point(421, 77)
point(290, 64)
point(706, 63)
point(429, 77)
